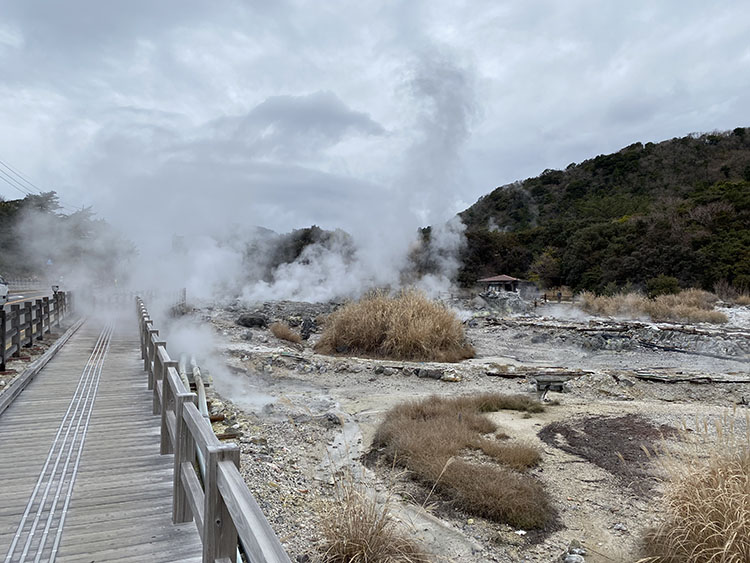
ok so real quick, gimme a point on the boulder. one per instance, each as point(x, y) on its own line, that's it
point(252, 320)
point(429, 373)
point(307, 328)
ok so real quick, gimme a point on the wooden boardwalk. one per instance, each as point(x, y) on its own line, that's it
point(81, 477)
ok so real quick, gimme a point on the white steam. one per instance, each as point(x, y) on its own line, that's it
point(424, 189)
point(190, 197)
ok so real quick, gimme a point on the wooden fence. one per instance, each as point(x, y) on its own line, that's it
point(29, 321)
point(217, 499)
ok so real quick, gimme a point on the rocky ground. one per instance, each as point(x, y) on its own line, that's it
point(304, 421)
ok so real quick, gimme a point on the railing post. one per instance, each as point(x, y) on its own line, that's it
point(57, 309)
point(184, 451)
point(149, 351)
point(219, 532)
point(39, 319)
point(145, 325)
point(15, 325)
point(156, 374)
point(29, 332)
point(167, 403)
point(3, 337)
point(45, 315)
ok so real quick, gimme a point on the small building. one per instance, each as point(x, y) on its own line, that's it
point(500, 283)
point(497, 284)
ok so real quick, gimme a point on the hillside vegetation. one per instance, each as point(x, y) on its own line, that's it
point(38, 239)
point(679, 208)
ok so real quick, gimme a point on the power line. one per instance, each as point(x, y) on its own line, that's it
point(13, 183)
point(21, 176)
point(17, 181)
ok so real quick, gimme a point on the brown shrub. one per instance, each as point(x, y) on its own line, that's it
point(690, 305)
point(515, 456)
point(707, 505)
point(405, 327)
point(497, 493)
point(427, 437)
point(282, 331)
point(493, 402)
point(358, 529)
point(727, 292)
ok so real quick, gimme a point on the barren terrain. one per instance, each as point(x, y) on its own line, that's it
point(305, 421)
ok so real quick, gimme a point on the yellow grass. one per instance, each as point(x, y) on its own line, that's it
point(284, 332)
point(688, 306)
point(358, 529)
point(407, 326)
point(707, 503)
point(429, 438)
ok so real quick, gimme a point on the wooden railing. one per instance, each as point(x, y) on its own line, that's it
point(217, 499)
point(29, 321)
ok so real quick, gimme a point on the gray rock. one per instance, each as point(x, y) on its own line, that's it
point(330, 419)
point(251, 320)
point(378, 369)
point(429, 373)
point(388, 371)
point(248, 335)
point(307, 328)
point(573, 558)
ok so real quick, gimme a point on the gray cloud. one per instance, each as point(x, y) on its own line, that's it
point(374, 117)
point(292, 126)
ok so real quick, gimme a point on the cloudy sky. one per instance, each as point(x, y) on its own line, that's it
point(361, 115)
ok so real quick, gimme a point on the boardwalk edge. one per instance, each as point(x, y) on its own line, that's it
point(19, 383)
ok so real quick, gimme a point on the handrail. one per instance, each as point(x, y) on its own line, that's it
point(219, 501)
point(29, 321)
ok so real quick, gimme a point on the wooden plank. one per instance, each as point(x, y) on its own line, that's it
point(255, 533)
point(219, 532)
point(193, 494)
point(121, 503)
point(199, 430)
point(21, 382)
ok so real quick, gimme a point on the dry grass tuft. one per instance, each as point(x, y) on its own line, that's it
point(690, 305)
point(282, 331)
point(707, 504)
point(731, 294)
point(407, 326)
point(427, 437)
point(358, 529)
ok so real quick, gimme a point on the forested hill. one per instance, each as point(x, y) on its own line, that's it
point(36, 239)
point(678, 208)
